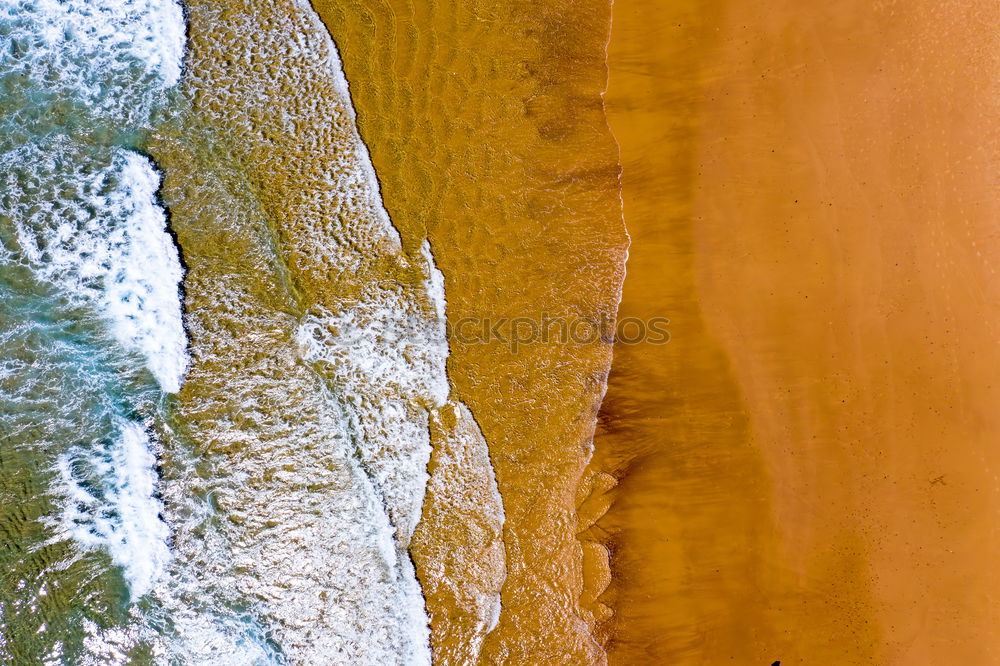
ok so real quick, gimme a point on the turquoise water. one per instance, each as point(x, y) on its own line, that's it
point(90, 323)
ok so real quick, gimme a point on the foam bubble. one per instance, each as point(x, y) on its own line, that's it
point(112, 57)
point(106, 647)
point(92, 227)
point(385, 358)
point(110, 502)
point(141, 296)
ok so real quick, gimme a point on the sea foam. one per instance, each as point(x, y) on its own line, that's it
point(112, 58)
point(110, 502)
point(77, 74)
point(90, 224)
point(81, 79)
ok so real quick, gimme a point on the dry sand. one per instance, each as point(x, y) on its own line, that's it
point(809, 474)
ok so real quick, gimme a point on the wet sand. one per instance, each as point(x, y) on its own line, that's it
point(486, 127)
point(807, 470)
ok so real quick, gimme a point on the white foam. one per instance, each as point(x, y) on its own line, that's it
point(104, 243)
point(199, 637)
point(141, 294)
point(106, 647)
point(435, 290)
point(386, 351)
point(305, 537)
point(110, 502)
point(88, 223)
point(388, 361)
point(88, 41)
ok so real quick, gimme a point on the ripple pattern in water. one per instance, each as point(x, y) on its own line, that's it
point(293, 461)
point(90, 324)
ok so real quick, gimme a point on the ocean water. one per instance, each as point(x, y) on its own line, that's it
point(487, 129)
point(221, 458)
point(318, 356)
point(90, 323)
point(250, 486)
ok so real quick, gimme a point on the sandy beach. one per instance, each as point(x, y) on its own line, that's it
point(817, 454)
point(306, 314)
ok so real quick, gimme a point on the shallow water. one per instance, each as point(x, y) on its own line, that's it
point(318, 359)
point(486, 127)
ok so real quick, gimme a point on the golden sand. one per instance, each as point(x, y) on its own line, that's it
point(485, 124)
point(807, 470)
point(689, 523)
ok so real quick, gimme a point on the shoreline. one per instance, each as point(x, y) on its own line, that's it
point(672, 460)
point(462, 107)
